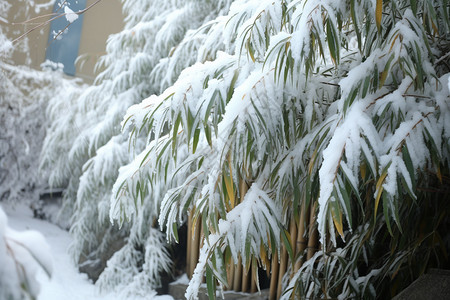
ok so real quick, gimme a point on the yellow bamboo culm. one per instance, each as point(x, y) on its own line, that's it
point(245, 279)
point(189, 245)
point(253, 288)
point(200, 238)
point(301, 237)
point(313, 234)
point(201, 241)
point(274, 268)
point(237, 275)
point(282, 271)
point(243, 188)
point(195, 243)
point(230, 274)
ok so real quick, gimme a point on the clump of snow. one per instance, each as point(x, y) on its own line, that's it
point(70, 15)
point(22, 256)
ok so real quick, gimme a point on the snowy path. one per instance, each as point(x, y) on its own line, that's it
point(66, 282)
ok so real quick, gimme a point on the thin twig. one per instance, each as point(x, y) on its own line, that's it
point(442, 58)
point(54, 18)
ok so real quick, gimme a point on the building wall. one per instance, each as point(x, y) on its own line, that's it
point(99, 22)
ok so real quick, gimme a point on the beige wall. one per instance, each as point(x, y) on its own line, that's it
point(99, 22)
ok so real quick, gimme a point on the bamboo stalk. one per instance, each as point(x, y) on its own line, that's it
point(237, 275)
point(189, 245)
point(283, 265)
point(201, 240)
point(195, 244)
point(274, 276)
point(230, 274)
point(301, 238)
point(253, 279)
point(313, 234)
point(245, 278)
point(200, 237)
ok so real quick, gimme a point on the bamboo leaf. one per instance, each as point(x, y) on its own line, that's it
point(175, 231)
point(379, 187)
point(175, 133)
point(229, 185)
point(210, 283)
point(196, 138)
point(387, 217)
point(408, 162)
point(336, 214)
point(378, 13)
point(333, 42)
point(355, 23)
point(413, 6)
point(286, 237)
point(385, 72)
point(208, 134)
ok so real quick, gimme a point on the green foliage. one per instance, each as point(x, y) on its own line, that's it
point(343, 104)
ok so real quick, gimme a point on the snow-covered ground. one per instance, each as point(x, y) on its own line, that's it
point(66, 282)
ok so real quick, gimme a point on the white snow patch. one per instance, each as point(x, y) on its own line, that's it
point(66, 282)
point(70, 15)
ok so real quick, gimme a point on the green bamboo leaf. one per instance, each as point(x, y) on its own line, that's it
point(346, 201)
point(375, 78)
point(145, 158)
point(333, 42)
point(420, 76)
point(350, 99)
point(251, 50)
point(387, 217)
point(413, 4)
point(175, 133)
point(444, 7)
point(365, 87)
point(210, 283)
point(175, 231)
point(386, 70)
point(355, 23)
point(408, 162)
point(232, 84)
point(286, 238)
point(196, 138)
point(248, 243)
point(208, 134)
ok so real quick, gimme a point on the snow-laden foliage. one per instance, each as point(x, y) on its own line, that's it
point(24, 96)
point(22, 255)
point(84, 147)
point(339, 103)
